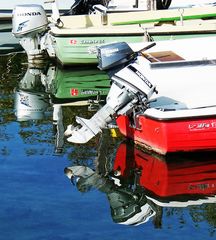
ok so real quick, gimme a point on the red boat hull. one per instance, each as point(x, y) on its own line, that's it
point(172, 135)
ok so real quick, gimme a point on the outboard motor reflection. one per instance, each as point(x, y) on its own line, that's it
point(31, 100)
point(128, 207)
point(139, 184)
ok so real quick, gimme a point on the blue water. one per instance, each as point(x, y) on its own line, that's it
point(38, 202)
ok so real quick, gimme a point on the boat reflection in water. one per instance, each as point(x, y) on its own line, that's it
point(49, 88)
point(140, 184)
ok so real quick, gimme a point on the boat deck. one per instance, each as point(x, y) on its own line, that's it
point(184, 77)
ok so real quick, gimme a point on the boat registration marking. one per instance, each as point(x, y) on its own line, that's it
point(86, 41)
point(73, 41)
point(92, 41)
point(76, 92)
point(201, 126)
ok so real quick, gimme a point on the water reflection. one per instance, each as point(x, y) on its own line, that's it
point(42, 88)
point(140, 184)
point(139, 187)
point(31, 96)
point(75, 87)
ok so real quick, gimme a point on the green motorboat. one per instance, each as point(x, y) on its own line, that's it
point(74, 39)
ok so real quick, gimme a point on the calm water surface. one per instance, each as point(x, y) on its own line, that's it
point(115, 185)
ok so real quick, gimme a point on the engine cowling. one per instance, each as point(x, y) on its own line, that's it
point(28, 19)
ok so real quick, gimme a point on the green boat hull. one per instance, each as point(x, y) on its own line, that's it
point(81, 50)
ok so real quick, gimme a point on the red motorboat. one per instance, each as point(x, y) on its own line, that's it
point(163, 96)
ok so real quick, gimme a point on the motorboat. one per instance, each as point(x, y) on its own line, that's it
point(65, 5)
point(139, 184)
point(36, 42)
point(72, 39)
point(162, 97)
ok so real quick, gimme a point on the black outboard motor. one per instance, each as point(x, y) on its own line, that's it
point(113, 55)
point(163, 4)
point(116, 54)
point(85, 6)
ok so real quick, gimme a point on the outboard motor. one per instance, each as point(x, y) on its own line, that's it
point(130, 89)
point(80, 7)
point(28, 23)
point(163, 4)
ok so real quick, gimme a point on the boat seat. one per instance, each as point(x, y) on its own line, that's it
point(166, 104)
point(165, 108)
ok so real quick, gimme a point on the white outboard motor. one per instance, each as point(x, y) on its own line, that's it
point(28, 23)
point(129, 89)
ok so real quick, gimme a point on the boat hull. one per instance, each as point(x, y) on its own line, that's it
point(77, 49)
point(193, 134)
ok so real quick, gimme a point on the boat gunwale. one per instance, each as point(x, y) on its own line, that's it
point(95, 34)
point(151, 113)
point(183, 63)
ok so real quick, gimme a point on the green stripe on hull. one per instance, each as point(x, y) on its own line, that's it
point(167, 19)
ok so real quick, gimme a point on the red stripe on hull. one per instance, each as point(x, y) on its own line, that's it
point(171, 136)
